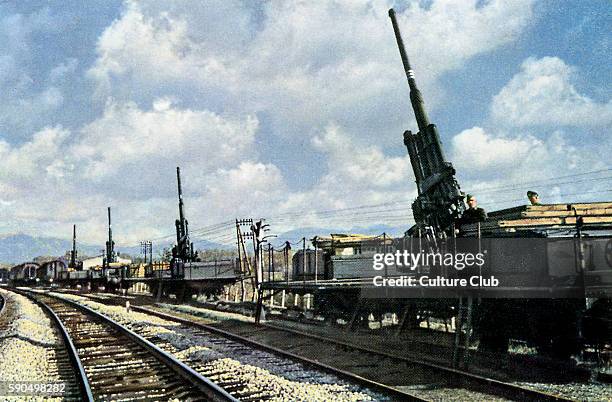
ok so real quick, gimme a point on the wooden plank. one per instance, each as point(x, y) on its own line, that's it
point(587, 212)
point(543, 214)
point(553, 207)
point(547, 221)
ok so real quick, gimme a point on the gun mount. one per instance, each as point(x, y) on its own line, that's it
point(440, 200)
point(183, 249)
point(73, 252)
point(111, 256)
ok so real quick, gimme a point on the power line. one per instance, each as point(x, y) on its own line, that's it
point(535, 182)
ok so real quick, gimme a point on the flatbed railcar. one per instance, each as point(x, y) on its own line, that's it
point(185, 279)
point(552, 295)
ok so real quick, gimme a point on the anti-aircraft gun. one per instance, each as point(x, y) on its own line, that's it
point(111, 256)
point(440, 201)
point(183, 251)
point(74, 263)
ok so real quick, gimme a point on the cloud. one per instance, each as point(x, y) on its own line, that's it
point(351, 164)
point(127, 141)
point(476, 149)
point(489, 159)
point(34, 159)
point(302, 63)
point(209, 86)
point(27, 101)
point(543, 93)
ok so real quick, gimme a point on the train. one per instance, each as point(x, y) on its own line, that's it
point(554, 262)
point(23, 274)
point(4, 276)
point(553, 296)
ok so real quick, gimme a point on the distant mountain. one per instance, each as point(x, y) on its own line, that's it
point(297, 234)
point(18, 248)
point(134, 251)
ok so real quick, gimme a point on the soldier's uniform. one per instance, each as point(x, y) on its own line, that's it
point(473, 215)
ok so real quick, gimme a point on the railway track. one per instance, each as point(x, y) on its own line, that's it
point(252, 374)
point(423, 380)
point(1, 304)
point(114, 363)
point(418, 380)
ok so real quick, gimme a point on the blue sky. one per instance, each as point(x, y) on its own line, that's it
point(290, 107)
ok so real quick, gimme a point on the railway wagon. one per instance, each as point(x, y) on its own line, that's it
point(4, 275)
point(73, 277)
point(308, 263)
point(185, 279)
point(23, 274)
point(554, 270)
point(49, 271)
point(205, 270)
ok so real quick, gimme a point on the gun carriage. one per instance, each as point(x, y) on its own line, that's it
point(554, 261)
point(187, 273)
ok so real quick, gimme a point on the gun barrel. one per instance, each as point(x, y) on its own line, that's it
point(110, 244)
point(180, 195)
point(415, 95)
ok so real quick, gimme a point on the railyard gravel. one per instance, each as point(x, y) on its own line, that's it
point(27, 346)
point(281, 382)
point(575, 391)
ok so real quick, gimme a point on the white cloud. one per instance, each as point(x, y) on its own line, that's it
point(145, 140)
point(33, 160)
point(304, 63)
point(355, 165)
point(475, 149)
point(543, 93)
point(201, 85)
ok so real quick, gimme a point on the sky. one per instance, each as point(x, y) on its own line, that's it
point(280, 109)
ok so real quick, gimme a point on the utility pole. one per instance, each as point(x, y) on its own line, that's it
point(246, 271)
point(146, 247)
point(286, 252)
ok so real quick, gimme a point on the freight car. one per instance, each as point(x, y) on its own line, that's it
point(185, 279)
point(187, 273)
point(4, 276)
point(23, 274)
point(49, 271)
point(554, 261)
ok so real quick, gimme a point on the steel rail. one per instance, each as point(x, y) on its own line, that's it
point(507, 389)
point(208, 388)
point(2, 304)
point(511, 388)
point(72, 352)
point(391, 391)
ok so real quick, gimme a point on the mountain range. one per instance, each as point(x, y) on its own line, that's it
point(17, 248)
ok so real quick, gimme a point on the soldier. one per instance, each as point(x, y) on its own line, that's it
point(473, 214)
point(534, 198)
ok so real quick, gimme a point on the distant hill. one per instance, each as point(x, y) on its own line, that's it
point(18, 248)
point(309, 233)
